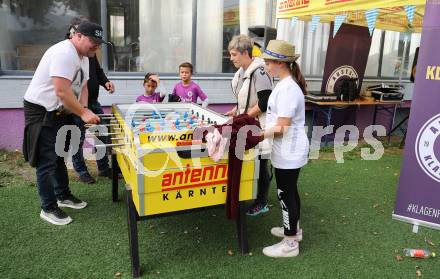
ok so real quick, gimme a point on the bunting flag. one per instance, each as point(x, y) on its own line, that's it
point(371, 16)
point(293, 21)
point(410, 10)
point(315, 21)
point(393, 15)
point(339, 19)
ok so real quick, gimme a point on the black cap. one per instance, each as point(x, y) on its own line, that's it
point(91, 30)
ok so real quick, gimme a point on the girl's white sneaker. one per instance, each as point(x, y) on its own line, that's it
point(284, 249)
point(279, 232)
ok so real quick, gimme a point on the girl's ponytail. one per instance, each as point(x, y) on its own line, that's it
point(296, 74)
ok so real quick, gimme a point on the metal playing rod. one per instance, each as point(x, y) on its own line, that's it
point(111, 145)
point(151, 115)
point(161, 110)
point(103, 134)
point(141, 120)
point(145, 113)
point(106, 125)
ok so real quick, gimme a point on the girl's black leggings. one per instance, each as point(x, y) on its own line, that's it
point(289, 198)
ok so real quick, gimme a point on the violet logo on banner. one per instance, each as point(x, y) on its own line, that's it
point(427, 148)
point(418, 194)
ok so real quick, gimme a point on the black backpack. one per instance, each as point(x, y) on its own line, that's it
point(348, 89)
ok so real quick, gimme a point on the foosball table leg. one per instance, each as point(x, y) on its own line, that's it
point(242, 229)
point(114, 178)
point(132, 219)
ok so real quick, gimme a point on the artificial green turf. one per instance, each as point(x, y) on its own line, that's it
point(346, 218)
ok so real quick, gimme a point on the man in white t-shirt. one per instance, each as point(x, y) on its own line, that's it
point(57, 90)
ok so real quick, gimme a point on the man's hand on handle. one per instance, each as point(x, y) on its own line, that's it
point(89, 117)
point(110, 87)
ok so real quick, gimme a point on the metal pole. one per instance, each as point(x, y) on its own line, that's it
point(132, 234)
point(269, 14)
point(114, 178)
point(382, 43)
point(104, 62)
point(403, 57)
point(194, 36)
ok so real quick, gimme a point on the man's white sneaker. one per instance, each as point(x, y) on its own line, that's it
point(279, 232)
point(72, 202)
point(55, 216)
point(284, 249)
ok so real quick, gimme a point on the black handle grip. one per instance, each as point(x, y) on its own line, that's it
point(188, 154)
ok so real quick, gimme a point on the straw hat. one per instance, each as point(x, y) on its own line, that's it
point(280, 51)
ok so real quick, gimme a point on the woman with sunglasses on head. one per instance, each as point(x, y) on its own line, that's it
point(251, 87)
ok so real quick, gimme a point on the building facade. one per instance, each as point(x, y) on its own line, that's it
point(156, 36)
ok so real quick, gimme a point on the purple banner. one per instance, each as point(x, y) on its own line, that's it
point(418, 195)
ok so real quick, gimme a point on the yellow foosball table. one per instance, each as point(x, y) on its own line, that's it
point(166, 170)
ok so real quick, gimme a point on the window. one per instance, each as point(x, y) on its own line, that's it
point(412, 45)
point(311, 46)
point(165, 34)
point(30, 27)
point(123, 35)
point(217, 22)
point(147, 35)
point(393, 53)
point(373, 61)
point(117, 30)
point(156, 36)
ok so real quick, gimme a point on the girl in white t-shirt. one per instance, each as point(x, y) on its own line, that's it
point(285, 122)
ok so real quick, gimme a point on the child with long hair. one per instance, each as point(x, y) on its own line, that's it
point(285, 122)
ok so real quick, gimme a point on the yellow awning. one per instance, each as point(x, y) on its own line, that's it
point(392, 15)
